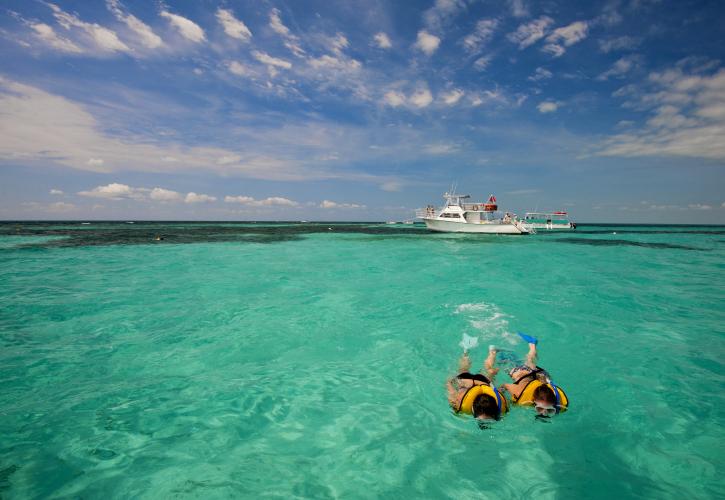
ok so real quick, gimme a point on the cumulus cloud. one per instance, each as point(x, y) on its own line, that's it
point(199, 198)
point(540, 74)
point(161, 194)
point(427, 43)
point(46, 34)
point(382, 41)
point(421, 98)
point(327, 204)
point(186, 27)
point(142, 31)
point(687, 116)
point(452, 97)
point(547, 107)
point(530, 33)
point(483, 32)
point(102, 38)
point(115, 191)
point(237, 68)
point(565, 37)
point(699, 206)
point(56, 192)
point(233, 26)
point(267, 202)
point(394, 98)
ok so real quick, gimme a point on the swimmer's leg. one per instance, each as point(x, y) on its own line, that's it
point(489, 363)
point(531, 357)
point(464, 364)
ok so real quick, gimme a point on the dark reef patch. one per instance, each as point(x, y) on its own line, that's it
point(615, 243)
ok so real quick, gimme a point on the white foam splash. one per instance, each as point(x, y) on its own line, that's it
point(489, 320)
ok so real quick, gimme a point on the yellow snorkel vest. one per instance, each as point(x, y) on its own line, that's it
point(527, 395)
point(478, 390)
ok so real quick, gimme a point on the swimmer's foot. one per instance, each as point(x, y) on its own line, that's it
point(529, 338)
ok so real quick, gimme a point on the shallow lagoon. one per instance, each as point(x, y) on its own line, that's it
point(298, 360)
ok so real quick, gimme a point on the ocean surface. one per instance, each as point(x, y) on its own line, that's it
point(309, 361)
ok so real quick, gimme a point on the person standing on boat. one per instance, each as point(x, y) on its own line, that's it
point(532, 385)
point(475, 394)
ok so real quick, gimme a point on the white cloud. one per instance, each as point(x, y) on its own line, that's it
point(327, 204)
point(620, 68)
point(518, 8)
point(565, 36)
point(618, 43)
point(530, 33)
point(540, 74)
point(427, 43)
point(442, 12)
point(421, 98)
point(687, 116)
point(547, 107)
point(483, 32)
point(277, 201)
point(56, 192)
point(49, 36)
point(186, 27)
point(440, 149)
point(95, 162)
point(699, 206)
point(290, 41)
point(233, 26)
point(161, 194)
point(237, 68)
point(115, 191)
point(394, 98)
point(482, 63)
point(103, 38)
point(145, 34)
point(382, 40)
point(452, 97)
point(199, 198)
point(268, 60)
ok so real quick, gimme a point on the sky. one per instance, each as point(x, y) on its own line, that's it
point(361, 110)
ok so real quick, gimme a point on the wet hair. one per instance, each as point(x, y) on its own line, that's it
point(544, 393)
point(485, 405)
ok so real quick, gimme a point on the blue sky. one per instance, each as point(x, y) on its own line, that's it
point(231, 110)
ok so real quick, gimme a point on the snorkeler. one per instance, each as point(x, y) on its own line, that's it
point(532, 385)
point(475, 394)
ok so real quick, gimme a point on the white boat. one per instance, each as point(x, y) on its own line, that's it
point(549, 221)
point(458, 216)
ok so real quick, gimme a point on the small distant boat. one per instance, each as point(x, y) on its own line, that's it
point(391, 222)
point(130, 222)
point(85, 223)
point(409, 222)
point(549, 221)
point(457, 216)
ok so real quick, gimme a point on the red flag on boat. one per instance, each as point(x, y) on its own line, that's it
point(492, 199)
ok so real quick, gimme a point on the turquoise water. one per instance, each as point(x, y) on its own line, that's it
point(300, 361)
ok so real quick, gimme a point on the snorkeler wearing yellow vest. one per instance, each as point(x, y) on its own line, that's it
point(475, 394)
point(532, 385)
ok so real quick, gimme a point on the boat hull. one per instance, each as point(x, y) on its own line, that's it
point(549, 227)
point(445, 226)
